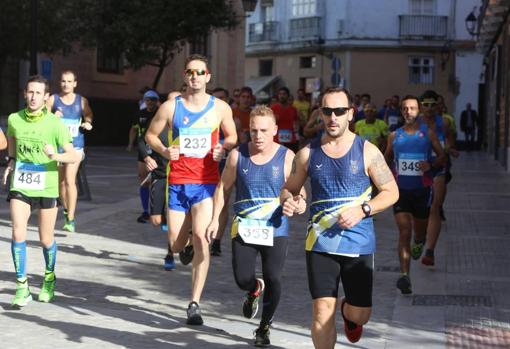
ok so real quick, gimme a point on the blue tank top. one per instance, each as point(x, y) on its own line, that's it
point(258, 190)
point(72, 118)
point(409, 149)
point(336, 185)
point(439, 130)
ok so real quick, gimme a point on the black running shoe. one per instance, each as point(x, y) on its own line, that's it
point(186, 255)
point(216, 248)
point(262, 336)
point(194, 314)
point(143, 218)
point(251, 303)
point(404, 284)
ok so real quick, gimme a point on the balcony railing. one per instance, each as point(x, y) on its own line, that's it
point(414, 26)
point(305, 28)
point(263, 31)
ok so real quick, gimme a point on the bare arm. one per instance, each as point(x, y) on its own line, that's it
point(49, 103)
point(299, 199)
point(3, 140)
point(69, 155)
point(388, 153)
point(162, 118)
point(438, 149)
point(228, 125)
point(294, 184)
point(88, 116)
point(222, 193)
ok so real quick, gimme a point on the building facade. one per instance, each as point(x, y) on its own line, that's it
point(494, 44)
point(369, 46)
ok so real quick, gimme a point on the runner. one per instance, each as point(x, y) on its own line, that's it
point(372, 129)
point(410, 146)
point(194, 120)
point(76, 114)
point(287, 120)
point(140, 123)
point(258, 169)
point(340, 241)
point(34, 136)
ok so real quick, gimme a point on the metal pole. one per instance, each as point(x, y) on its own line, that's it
point(33, 37)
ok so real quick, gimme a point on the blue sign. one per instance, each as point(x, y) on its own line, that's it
point(46, 67)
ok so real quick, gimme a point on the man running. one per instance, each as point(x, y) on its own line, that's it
point(287, 120)
point(76, 114)
point(410, 148)
point(340, 240)
point(34, 136)
point(258, 170)
point(194, 120)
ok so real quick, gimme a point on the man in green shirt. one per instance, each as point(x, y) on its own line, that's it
point(34, 135)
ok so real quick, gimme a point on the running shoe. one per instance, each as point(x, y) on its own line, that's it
point(169, 262)
point(194, 314)
point(416, 250)
point(216, 248)
point(186, 255)
point(262, 336)
point(48, 288)
point(428, 258)
point(66, 217)
point(143, 218)
point(352, 330)
point(23, 296)
point(164, 228)
point(404, 284)
point(251, 303)
point(70, 226)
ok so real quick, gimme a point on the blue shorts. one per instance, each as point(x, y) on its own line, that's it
point(182, 196)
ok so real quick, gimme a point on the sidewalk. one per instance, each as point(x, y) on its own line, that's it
point(112, 291)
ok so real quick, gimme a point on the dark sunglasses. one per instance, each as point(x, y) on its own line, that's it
point(429, 105)
point(199, 72)
point(338, 111)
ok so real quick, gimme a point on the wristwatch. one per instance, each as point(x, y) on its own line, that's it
point(366, 209)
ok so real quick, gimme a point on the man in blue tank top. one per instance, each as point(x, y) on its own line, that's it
point(75, 112)
point(340, 241)
point(258, 169)
point(409, 153)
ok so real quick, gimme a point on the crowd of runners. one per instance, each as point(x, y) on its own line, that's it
point(195, 147)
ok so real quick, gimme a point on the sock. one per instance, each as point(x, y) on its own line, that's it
point(50, 256)
point(19, 257)
point(144, 198)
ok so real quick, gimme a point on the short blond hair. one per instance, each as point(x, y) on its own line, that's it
point(262, 110)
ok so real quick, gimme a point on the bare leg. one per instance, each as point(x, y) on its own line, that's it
point(323, 323)
point(71, 191)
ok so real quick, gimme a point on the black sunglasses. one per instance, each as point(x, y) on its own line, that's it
point(338, 111)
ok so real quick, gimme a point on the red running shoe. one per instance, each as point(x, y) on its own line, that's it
point(352, 330)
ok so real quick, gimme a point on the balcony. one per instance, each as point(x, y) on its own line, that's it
point(420, 27)
point(263, 31)
point(305, 28)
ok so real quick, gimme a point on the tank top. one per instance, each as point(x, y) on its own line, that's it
point(72, 114)
point(338, 183)
point(409, 149)
point(258, 190)
point(196, 133)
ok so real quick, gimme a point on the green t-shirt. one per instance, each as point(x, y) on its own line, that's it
point(35, 175)
point(371, 132)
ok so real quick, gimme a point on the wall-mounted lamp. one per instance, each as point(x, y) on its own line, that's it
point(472, 23)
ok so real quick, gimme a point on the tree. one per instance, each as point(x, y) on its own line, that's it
point(151, 32)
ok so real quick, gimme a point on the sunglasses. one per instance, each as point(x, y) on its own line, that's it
point(429, 105)
point(199, 72)
point(338, 111)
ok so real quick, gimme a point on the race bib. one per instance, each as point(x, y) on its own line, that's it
point(256, 232)
point(194, 142)
point(73, 125)
point(392, 120)
point(29, 176)
point(284, 136)
point(409, 165)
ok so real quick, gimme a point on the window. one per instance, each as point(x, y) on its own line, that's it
point(267, 13)
point(109, 59)
point(307, 62)
point(265, 67)
point(303, 8)
point(199, 45)
point(422, 7)
point(421, 70)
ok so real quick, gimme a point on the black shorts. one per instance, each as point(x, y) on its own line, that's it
point(417, 202)
point(326, 270)
point(157, 198)
point(34, 202)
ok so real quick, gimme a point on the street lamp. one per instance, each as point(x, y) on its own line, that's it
point(471, 23)
point(249, 5)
